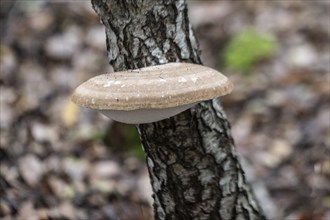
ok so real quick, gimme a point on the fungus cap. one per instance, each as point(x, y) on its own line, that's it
point(151, 93)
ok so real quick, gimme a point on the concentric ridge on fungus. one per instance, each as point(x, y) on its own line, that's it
point(155, 87)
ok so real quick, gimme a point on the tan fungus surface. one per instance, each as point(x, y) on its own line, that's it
point(160, 86)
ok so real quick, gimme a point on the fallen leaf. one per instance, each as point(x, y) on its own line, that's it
point(31, 169)
point(70, 114)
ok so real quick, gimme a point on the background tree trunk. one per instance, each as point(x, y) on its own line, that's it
point(191, 158)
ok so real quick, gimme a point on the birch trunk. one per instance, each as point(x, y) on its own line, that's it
point(191, 157)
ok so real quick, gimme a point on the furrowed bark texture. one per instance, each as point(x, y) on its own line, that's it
point(191, 158)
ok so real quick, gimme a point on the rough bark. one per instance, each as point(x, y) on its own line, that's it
point(191, 158)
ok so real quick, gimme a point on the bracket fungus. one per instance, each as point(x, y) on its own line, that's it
point(152, 93)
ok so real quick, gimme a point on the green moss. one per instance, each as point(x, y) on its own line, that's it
point(247, 48)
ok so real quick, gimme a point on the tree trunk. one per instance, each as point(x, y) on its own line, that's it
point(191, 158)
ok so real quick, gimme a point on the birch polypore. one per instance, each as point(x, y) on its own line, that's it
point(152, 93)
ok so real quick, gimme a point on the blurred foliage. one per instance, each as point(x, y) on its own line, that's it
point(124, 139)
point(247, 48)
point(97, 136)
point(133, 141)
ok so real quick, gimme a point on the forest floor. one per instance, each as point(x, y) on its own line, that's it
point(59, 161)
